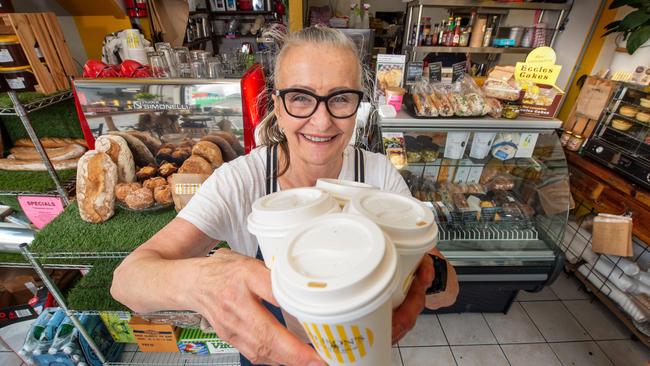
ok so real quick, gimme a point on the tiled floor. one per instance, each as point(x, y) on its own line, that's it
point(559, 326)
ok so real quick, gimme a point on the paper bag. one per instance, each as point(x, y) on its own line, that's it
point(184, 186)
point(592, 100)
point(612, 235)
point(555, 198)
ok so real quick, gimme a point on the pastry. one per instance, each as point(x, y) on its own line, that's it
point(49, 142)
point(196, 165)
point(146, 172)
point(36, 165)
point(139, 199)
point(167, 169)
point(117, 148)
point(227, 151)
point(209, 152)
point(621, 124)
point(154, 182)
point(628, 111)
point(96, 181)
point(152, 143)
point(165, 153)
point(643, 117)
point(645, 102)
point(232, 140)
point(71, 151)
point(163, 195)
point(181, 153)
point(141, 154)
point(124, 189)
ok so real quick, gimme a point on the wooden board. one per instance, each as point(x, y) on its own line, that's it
point(583, 125)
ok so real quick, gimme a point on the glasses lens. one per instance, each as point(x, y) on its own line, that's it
point(343, 105)
point(299, 104)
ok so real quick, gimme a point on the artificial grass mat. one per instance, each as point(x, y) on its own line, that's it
point(92, 292)
point(11, 201)
point(122, 233)
point(12, 258)
point(23, 97)
point(37, 182)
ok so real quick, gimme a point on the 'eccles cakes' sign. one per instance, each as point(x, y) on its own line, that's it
point(539, 67)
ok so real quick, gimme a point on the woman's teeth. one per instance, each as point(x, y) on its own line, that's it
point(318, 139)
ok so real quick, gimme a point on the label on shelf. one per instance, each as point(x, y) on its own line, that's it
point(5, 56)
point(414, 72)
point(16, 83)
point(526, 145)
point(40, 210)
point(458, 70)
point(435, 72)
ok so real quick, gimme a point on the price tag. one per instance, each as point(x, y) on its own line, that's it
point(435, 72)
point(459, 69)
point(40, 210)
point(414, 72)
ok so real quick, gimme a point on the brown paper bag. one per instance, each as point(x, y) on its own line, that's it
point(612, 235)
point(592, 100)
point(555, 198)
point(184, 186)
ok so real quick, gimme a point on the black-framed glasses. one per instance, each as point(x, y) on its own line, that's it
point(300, 103)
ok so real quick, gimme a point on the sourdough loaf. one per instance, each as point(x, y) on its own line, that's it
point(118, 150)
point(96, 181)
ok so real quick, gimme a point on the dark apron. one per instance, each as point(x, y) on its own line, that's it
point(272, 187)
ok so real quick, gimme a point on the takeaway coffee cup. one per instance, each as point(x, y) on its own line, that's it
point(275, 215)
point(336, 275)
point(343, 190)
point(407, 222)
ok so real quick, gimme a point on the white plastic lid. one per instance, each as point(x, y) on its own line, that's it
point(334, 265)
point(409, 224)
point(343, 189)
point(285, 209)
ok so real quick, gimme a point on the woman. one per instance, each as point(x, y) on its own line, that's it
point(318, 77)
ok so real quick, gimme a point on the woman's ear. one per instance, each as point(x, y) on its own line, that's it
point(276, 106)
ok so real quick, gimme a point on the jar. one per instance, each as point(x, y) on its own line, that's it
point(11, 52)
point(566, 136)
point(464, 38)
point(575, 142)
point(20, 78)
point(510, 111)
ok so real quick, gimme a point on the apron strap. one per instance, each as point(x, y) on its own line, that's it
point(271, 169)
point(359, 166)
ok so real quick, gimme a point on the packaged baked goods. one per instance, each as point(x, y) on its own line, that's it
point(501, 84)
point(96, 181)
point(495, 107)
point(413, 156)
point(441, 94)
point(502, 181)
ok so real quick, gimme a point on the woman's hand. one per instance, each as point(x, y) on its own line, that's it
point(405, 315)
point(228, 290)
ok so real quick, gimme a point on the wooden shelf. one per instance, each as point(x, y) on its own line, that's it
point(241, 12)
point(445, 49)
point(492, 4)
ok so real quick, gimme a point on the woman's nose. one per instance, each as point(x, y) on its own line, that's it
point(321, 118)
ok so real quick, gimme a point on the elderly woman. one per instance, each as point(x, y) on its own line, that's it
point(318, 81)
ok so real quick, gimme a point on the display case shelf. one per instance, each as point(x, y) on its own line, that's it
point(44, 102)
point(445, 49)
point(403, 120)
point(175, 359)
point(492, 4)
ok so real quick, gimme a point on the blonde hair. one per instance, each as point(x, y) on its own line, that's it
point(269, 131)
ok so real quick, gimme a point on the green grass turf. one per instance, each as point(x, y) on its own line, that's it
point(11, 201)
point(37, 182)
point(122, 233)
point(12, 258)
point(93, 290)
point(23, 97)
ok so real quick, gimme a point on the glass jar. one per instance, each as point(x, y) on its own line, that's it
point(575, 142)
point(510, 111)
point(566, 136)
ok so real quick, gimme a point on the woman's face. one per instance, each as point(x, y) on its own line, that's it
point(321, 69)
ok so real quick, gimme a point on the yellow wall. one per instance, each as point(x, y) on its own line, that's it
point(93, 29)
point(295, 15)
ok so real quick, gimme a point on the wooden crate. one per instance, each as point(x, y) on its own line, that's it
point(42, 29)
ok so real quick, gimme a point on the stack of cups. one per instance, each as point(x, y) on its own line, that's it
point(410, 226)
point(342, 190)
point(337, 275)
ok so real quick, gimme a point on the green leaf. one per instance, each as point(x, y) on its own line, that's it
point(633, 3)
point(612, 25)
point(610, 32)
point(635, 19)
point(638, 38)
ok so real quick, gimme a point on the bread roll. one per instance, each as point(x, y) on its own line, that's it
point(163, 195)
point(117, 148)
point(154, 182)
point(96, 181)
point(141, 154)
point(195, 165)
point(72, 151)
point(140, 199)
point(124, 189)
point(146, 172)
point(49, 142)
point(35, 165)
point(167, 169)
point(227, 151)
point(209, 152)
point(152, 143)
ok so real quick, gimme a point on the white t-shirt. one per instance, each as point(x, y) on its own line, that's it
point(224, 201)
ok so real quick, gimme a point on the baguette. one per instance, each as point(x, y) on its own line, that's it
point(96, 181)
point(417, 101)
point(49, 142)
point(141, 154)
point(36, 165)
point(67, 152)
point(118, 150)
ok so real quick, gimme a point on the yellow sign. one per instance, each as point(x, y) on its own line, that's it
point(539, 67)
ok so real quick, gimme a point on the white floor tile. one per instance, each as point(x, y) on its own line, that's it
point(419, 356)
point(479, 356)
point(427, 332)
point(544, 294)
point(580, 354)
point(539, 354)
point(396, 359)
point(626, 352)
point(9, 359)
point(513, 327)
point(568, 287)
point(14, 334)
point(555, 322)
point(466, 329)
point(597, 320)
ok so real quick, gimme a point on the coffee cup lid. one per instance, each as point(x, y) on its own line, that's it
point(287, 208)
point(405, 220)
point(343, 189)
point(335, 264)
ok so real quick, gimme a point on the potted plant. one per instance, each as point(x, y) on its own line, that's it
point(632, 36)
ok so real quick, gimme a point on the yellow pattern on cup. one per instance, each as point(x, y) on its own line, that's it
point(407, 282)
point(317, 339)
point(346, 343)
point(357, 335)
point(332, 341)
point(342, 346)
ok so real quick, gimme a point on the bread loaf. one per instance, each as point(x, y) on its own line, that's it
point(67, 152)
point(209, 152)
point(140, 199)
point(152, 143)
point(51, 142)
point(196, 165)
point(141, 154)
point(118, 150)
point(232, 140)
point(96, 181)
point(36, 165)
point(227, 151)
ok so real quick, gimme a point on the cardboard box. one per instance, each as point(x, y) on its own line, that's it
point(541, 107)
point(197, 342)
point(154, 337)
point(117, 324)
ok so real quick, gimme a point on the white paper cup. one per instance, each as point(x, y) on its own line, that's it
point(407, 222)
point(343, 190)
point(337, 275)
point(275, 215)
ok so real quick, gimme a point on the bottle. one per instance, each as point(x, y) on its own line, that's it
point(434, 34)
point(478, 30)
point(63, 335)
point(421, 39)
point(487, 39)
point(427, 31)
point(48, 334)
point(34, 334)
point(464, 37)
point(449, 33)
point(441, 34)
point(456, 37)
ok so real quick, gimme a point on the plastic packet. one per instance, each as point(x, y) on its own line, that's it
point(501, 90)
point(495, 107)
point(502, 182)
point(440, 97)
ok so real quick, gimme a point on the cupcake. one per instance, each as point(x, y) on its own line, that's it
point(643, 117)
point(621, 125)
point(628, 111)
